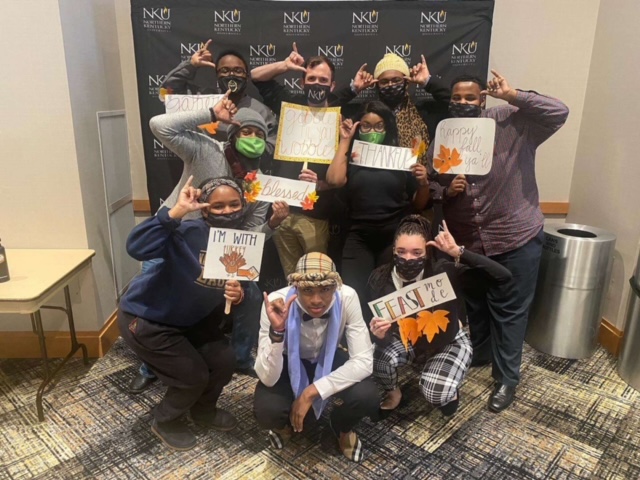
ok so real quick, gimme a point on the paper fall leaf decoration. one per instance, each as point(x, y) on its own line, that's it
point(251, 186)
point(428, 324)
point(431, 324)
point(446, 159)
point(309, 201)
point(418, 146)
point(164, 92)
point(211, 128)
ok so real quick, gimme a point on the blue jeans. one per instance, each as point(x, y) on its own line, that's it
point(498, 321)
point(246, 326)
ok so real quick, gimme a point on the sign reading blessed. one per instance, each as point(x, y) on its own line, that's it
point(373, 155)
point(418, 296)
point(265, 188)
point(307, 134)
point(464, 145)
point(233, 254)
point(189, 103)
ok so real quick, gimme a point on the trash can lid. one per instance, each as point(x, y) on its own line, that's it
point(576, 231)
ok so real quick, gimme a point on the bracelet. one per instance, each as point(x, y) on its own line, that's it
point(277, 333)
point(457, 259)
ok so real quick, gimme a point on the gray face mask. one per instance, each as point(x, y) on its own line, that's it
point(230, 220)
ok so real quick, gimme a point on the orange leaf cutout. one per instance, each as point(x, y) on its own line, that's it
point(307, 203)
point(446, 159)
point(210, 128)
point(408, 331)
point(164, 92)
point(430, 324)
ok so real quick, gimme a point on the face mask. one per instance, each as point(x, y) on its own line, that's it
point(250, 147)
point(233, 83)
point(229, 220)
point(372, 137)
point(408, 269)
point(464, 110)
point(393, 94)
point(316, 94)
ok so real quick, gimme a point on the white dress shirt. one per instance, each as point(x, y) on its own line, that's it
point(312, 337)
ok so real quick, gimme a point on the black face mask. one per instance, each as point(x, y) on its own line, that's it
point(464, 110)
point(237, 85)
point(408, 269)
point(230, 220)
point(316, 94)
point(393, 94)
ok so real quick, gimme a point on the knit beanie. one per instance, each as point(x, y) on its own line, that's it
point(209, 185)
point(391, 61)
point(315, 269)
point(247, 118)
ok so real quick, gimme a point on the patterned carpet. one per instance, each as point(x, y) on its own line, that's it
point(571, 420)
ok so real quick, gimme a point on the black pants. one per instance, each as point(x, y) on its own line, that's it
point(194, 363)
point(272, 405)
point(366, 248)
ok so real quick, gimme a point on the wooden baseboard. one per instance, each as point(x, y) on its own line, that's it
point(26, 345)
point(142, 207)
point(610, 337)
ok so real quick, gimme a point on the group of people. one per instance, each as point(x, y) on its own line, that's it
point(317, 338)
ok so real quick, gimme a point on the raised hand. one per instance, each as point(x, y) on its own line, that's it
point(203, 57)
point(187, 201)
point(278, 311)
point(445, 242)
point(379, 327)
point(280, 212)
point(348, 129)
point(458, 185)
point(295, 61)
point(225, 109)
point(363, 79)
point(420, 73)
point(498, 87)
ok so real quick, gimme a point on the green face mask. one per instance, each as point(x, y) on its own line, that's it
point(250, 147)
point(372, 137)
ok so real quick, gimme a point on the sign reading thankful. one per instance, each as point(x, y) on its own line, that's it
point(307, 134)
point(374, 155)
point(464, 146)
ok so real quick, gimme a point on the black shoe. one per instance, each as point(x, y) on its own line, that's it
point(248, 371)
point(174, 434)
point(218, 419)
point(450, 408)
point(140, 383)
point(502, 397)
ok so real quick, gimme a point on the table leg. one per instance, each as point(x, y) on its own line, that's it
point(72, 328)
point(37, 320)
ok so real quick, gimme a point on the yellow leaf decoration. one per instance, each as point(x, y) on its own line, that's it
point(430, 324)
point(313, 196)
point(418, 146)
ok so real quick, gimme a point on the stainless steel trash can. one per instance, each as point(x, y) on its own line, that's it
point(573, 279)
point(629, 360)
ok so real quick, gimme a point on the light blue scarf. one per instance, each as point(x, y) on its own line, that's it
point(297, 373)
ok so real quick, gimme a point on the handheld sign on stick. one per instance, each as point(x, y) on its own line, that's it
point(233, 255)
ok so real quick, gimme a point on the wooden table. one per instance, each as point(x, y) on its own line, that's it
point(36, 277)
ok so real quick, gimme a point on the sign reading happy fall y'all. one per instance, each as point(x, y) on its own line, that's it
point(233, 254)
point(413, 298)
point(464, 146)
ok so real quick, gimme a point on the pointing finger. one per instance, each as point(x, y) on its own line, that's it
point(295, 48)
point(362, 68)
point(206, 45)
point(424, 62)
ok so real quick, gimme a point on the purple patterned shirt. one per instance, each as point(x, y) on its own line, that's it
point(500, 211)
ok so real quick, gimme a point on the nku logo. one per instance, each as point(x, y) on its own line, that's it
point(297, 18)
point(331, 51)
point(156, 13)
point(156, 80)
point(226, 16)
point(190, 48)
point(433, 17)
point(400, 50)
point(365, 18)
point(465, 48)
point(293, 84)
point(267, 50)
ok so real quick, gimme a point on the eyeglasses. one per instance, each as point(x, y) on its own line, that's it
point(366, 128)
point(390, 81)
point(241, 72)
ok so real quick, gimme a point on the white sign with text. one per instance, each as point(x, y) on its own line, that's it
point(189, 103)
point(233, 254)
point(464, 146)
point(386, 157)
point(274, 189)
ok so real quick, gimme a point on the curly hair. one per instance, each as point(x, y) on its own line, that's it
point(389, 119)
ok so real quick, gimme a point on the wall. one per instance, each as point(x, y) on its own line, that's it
point(604, 189)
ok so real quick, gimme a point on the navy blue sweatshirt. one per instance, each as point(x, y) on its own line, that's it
point(173, 292)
